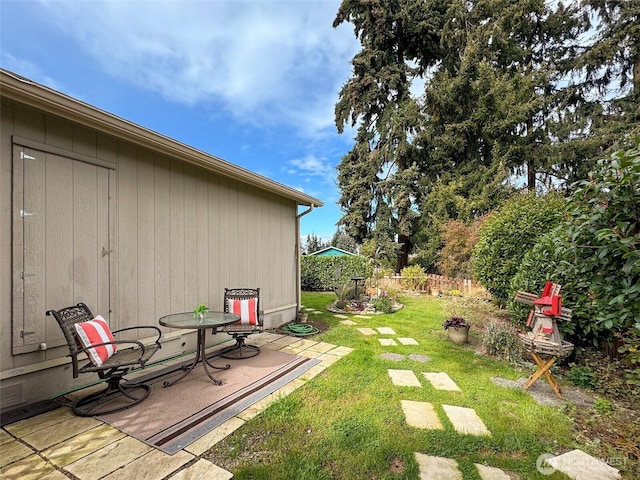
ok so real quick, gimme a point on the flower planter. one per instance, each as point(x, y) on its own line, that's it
point(304, 317)
point(458, 335)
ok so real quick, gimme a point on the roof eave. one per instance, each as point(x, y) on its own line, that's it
point(27, 92)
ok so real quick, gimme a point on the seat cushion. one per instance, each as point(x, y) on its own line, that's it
point(246, 308)
point(94, 332)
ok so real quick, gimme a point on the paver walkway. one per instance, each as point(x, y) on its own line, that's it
point(57, 444)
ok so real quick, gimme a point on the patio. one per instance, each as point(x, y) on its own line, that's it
point(59, 445)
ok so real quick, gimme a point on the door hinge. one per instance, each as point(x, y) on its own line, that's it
point(24, 213)
point(26, 156)
point(106, 252)
point(24, 334)
point(26, 274)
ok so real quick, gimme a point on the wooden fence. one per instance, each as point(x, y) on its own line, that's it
point(428, 283)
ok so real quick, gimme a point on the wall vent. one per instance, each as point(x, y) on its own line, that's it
point(12, 395)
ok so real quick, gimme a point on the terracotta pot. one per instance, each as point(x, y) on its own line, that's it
point(458, 335)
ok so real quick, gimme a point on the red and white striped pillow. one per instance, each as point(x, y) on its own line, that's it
point(94, 332)
point(247, 309)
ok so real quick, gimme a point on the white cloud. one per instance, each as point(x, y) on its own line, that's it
point(313, 166)
point(273, 62)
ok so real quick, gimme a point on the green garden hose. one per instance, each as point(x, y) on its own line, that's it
point(301, 329)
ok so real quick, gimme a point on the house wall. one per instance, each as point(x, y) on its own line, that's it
point(178, 234)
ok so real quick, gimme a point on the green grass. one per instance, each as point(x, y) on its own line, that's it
point(347, 423)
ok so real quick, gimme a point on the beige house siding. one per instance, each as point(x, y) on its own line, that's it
point(177, 234)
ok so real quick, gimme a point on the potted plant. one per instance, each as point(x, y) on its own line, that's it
point(200, 311)
point(458, 329)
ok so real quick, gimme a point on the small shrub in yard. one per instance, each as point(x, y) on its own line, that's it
point(384, 303)
point(583, 376)
point(500, 339)
point(413, 277)
point(603, 406)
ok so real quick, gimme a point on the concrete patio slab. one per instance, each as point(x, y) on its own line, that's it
point(341, 351)
point(13, 451)
point(441, 381)
point(465, 420)
point(151, 466)
point(349, 323)
point(387, 342)
point(386, 330)
point(367, 331)
point(88, 442)
point(421, 415)
point(203, 470)
point(491, 473)
point(29, 468)
point(407, 341)
point(108, 459)
point(579, 465)
point(437, 468)
point(404, 378)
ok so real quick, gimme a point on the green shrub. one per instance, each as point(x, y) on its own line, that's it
point(500, 339)
point(604, 254)
point(383, 304)
point(583, 376)
point(507, 235)
point(413, 277)
point(328, 272)
point(603, 406)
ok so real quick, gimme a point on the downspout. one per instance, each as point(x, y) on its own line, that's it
point(298, 285)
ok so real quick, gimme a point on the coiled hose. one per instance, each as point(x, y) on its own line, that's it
point(300, 329)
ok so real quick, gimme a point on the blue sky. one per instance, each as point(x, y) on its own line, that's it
point(252, 82)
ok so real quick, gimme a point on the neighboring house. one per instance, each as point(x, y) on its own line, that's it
point(331, 251)
point(99, 210)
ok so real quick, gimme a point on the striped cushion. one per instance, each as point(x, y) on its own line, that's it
point(247, 309)
point(94, 332)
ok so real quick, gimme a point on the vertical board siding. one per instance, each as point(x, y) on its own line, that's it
point(59, 200)
point(127, 240)
point(178, 234)
point(162, 237)
point(177, 247)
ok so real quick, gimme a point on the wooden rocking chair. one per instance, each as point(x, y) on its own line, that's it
point(90, 335)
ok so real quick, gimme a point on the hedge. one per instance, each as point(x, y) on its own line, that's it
point(325, 273)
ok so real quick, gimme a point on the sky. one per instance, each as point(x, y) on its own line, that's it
point(253, 82)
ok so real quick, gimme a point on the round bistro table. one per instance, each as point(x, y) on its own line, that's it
point(213, 320)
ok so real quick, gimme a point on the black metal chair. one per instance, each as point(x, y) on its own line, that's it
point(246, 303)
point(119, 393)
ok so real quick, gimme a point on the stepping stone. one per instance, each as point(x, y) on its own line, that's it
point(316, 312)
point(416, 357)
point(491, 473)
point(394, 357)
point(441, 381)
point(437, 468)
point(579, 465)
point(386, 330)
point(348, 322)
point(465, 420)
point(404, 378)
point(367, 331)
point(407, 341)
point(339, 315)
point(421, 415)
point(387, 342)
point(362, 316)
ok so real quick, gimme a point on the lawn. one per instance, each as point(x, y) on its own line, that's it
point(347, 423)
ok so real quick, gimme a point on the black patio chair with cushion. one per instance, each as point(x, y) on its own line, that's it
point(90, 335)
point(246, 303)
